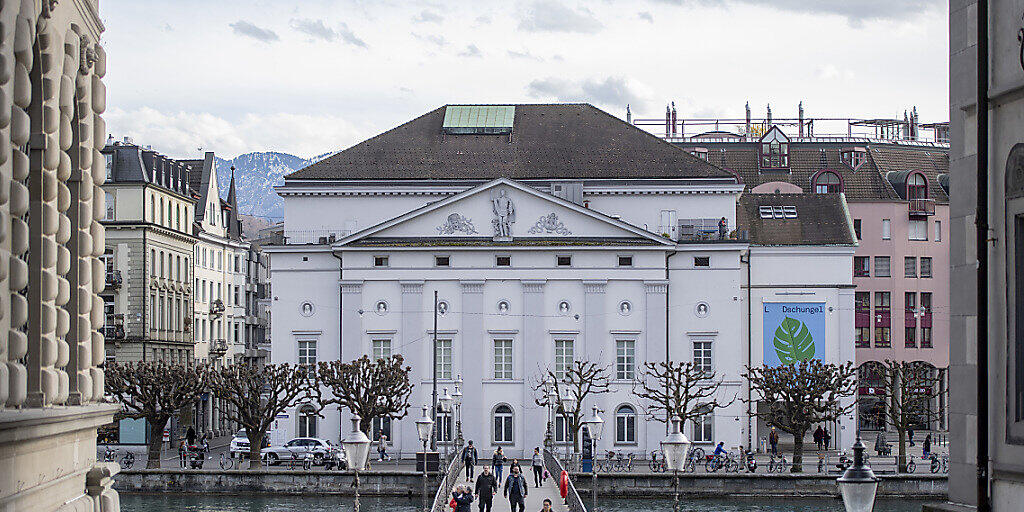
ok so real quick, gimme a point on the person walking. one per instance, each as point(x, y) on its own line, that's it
point(927, 445)
point(538, 467)
point(382, 448)
point(773, 440)
point(910, 435)
point(516, 489)
point(190, 436)
point(515, 464)
point(498, 463)
point(826, 438)
point(547, 506)
point(486, 486)
point(462, 498)
point(469, 456)
point(819, 436)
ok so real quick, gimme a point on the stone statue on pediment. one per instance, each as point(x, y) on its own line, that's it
point(504, 214)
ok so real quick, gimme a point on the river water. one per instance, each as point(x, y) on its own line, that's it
point(209, 503)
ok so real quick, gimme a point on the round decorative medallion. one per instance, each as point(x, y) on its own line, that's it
point(564, 307)
point(307, 309)
point(442, 308)
point(381, 308)
point(625, 308)
point(504, 307)
point(701, 310)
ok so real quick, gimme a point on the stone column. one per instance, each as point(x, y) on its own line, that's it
point(597, 347)
point(535, 353)
point(654, 349)
point(351, 342)
point(473, 354)
point(412, 329)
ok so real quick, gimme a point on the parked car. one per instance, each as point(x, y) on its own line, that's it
point(297, 448)
point(240, 444)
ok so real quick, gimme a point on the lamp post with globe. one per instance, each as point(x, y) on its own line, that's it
point(444, 403)
point(858, 484)
point(568, 402)
point(424, 426)
point(457, 400)
point(675, 447)
point(552, 402)
point(595, 425)
point(357, 447)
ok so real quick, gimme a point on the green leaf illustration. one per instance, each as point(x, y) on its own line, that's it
point(793, 341)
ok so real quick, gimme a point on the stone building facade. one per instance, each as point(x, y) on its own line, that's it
point(148, 258)
point(51, 314)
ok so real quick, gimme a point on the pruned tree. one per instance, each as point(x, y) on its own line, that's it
point(908, 388)
point(579, 380)
point(800, 395)
point(155, 391)
point(258, 393)
point(683, 389)
point(370, 389)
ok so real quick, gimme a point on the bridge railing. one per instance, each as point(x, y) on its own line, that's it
point(444, 488)
point(554, 467)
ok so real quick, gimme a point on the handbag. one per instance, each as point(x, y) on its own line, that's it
point(453, 504)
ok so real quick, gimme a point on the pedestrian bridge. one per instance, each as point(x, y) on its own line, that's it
point(535, 496)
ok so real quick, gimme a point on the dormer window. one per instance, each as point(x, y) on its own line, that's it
point(701, 153)
point(917, 187)
point(854, 157)
point(774, 150)
point(827, 182)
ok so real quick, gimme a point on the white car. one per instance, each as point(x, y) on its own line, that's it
point(240, 444)
point(296, 450)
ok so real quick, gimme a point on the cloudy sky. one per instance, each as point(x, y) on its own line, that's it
point(312, 76)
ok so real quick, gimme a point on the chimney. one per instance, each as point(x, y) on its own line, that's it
point(769, 116)
point(906, 125)
point(629, 115)
point(673, 119)
point(800, 114)
point(668, 119)
point(913, 124)
point(748, 119)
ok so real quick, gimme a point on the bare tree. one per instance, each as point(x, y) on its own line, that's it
point(908, 390)
point(580, 380)
point(681, 389)
point(155, 391)
point(800, 395)
point(258, 393)
point(370, 389)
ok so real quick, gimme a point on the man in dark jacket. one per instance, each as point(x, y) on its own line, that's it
point(463, 498)
point(516, 489)
point(486, 486)
point(469, 456)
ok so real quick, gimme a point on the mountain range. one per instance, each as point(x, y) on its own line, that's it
point(256, 175)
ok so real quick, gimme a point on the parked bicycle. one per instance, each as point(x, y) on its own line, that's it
point(127, 460)
point(657, 462)
point(695, 457)
point(227, 461)
point(109, 454)
point(777, 463)
point(939, 463)
point(727, 462)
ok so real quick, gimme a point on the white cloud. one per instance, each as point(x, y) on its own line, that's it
point(181, 134)
point(247, 29)
point(553, 16)
point(610, 91)
point(471, 51)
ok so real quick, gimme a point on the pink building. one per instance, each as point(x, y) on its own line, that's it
point(895, 179)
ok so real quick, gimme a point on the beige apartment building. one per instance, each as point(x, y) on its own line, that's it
point(148, 256)
point(51, 240)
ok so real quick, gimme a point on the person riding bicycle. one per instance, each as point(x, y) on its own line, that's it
point(720, 449)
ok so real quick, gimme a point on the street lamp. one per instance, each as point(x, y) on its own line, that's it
point(424, 426)
point(595, 425)
point(858, 484)
point(357, 447)
point(457, 398)
point(568, 404)
point(445, 404)
point(675, 447)
point(552, 402)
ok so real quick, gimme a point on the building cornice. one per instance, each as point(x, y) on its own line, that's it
point(472, 287)
point(411, 287)
point(533, 285)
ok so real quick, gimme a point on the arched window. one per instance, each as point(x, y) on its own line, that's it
point(109, 200)
point(162, 220)
point(625, 425)
point(503, 424)
point(307, 421)
point(917, 188)
point(827, 182)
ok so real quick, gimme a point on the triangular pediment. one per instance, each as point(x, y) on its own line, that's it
point(505, 211)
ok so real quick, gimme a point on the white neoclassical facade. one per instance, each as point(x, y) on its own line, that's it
point(562, 234)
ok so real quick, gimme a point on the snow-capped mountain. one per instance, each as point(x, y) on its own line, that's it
point(256, 175)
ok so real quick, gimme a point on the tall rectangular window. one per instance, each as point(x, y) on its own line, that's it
point(704, 426)
point(883, 319)
point(381, 349)
point(938, 231)
point(702, 356)
point(563, 357)
point(886, 229)
point(563, 435)
point(856, 228)
point(861, 266)
point(307, 353)
point(444, 359)
point(917, 230)
point(502, 359)
point(882, 266)
point(625, 359)
point(910, 322)
point(909, 266)
point(926, 266)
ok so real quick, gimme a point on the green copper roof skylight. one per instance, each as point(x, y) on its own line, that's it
point(478, 119)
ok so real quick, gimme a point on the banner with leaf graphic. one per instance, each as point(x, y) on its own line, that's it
point(793, 332)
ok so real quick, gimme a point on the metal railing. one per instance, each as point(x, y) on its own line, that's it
point(314, 236)
point(554, 467)
point(444, 489)
point(922, 206)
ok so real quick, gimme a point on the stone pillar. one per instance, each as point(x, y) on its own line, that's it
point(597, 347)
point(473, 353)
point(412, 329)
point(351, 342)
point(654, 349)
point(99, 486)
point(535, 352)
